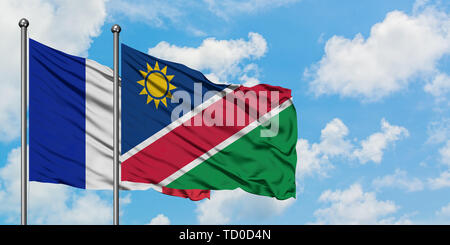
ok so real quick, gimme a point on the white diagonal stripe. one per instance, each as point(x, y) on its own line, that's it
point(177, 122)
point(225, 143)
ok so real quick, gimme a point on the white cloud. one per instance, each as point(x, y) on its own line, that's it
point(439, 86)
point(65, 25)
point(250, 74)
point(310, 160)
point(372, 148)
point(178, 13)
point(151, 12)
point(125, 199)
point(443, 180)
point(332, 138)
point(87, 208)
point(440, 182)
point(445, 153)
point(159, 13)
point(419, 5)
point(220, 58)
point(249, 81)
point(399, 180)
point(160, 219)
point(316, 158)
point(444, 211)
point(386, 61)
point(49, 203)
point(10, 183)
point(438, 131)
point(229, 206)
point(228, 8)
point(354, 206)
point(402, 220)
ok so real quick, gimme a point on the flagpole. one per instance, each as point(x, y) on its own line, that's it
point(116, 30)
point(23, 24)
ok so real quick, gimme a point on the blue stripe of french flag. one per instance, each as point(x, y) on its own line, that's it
point(71, 121)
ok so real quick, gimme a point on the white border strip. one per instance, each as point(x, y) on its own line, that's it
point(225, 143)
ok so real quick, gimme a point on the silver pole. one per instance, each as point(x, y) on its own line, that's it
point(116, 30)
point(23, 23)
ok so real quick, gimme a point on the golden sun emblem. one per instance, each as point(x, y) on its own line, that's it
point(156, 84)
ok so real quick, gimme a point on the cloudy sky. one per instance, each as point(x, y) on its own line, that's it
point(370, 82)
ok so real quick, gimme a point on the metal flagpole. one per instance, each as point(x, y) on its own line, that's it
point(23, 23)
point(116, 30)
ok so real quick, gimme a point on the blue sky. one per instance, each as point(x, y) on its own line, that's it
point(370, 82)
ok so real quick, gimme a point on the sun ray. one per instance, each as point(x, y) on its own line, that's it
point(156, 85)
point(149, 99)
point(163, 100)
point(149, 68)
point(144, 91)
point(164, 70)
point(141, 82)
point(143, 73)
point(169, 77)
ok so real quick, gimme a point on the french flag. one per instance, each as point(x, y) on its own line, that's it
point(71, 123)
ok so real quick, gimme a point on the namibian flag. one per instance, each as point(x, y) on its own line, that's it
point(179, 130)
